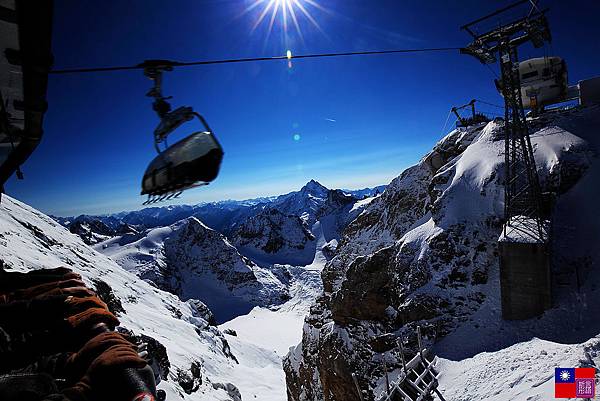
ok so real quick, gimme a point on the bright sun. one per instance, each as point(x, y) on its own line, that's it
point(289, 12)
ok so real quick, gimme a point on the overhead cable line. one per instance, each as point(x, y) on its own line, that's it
point(289, 56)
point(446, 123)
point(492, 70)
point(490, 104)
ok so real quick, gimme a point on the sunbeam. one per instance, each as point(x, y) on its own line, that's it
point(295, 21)
point(299, 4)
point(263, 14)
point(288, 11)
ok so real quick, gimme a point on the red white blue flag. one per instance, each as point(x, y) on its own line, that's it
point(574, 382)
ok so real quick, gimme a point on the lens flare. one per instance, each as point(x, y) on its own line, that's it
point(289, 11)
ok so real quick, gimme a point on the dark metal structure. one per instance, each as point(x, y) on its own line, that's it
point(417, 380)
point(475, 118)
point(462, 120)
point(523, 209)
point(191, 162)
point(25, 59)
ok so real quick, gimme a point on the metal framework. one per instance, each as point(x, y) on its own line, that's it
point(462, 120)
point(418, 379)
point(522, 207)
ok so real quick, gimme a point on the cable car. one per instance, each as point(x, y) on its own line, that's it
point(544, 81)
point(193, 161)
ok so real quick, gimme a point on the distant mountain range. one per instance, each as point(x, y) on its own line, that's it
point(222, 216)
point(232, 255)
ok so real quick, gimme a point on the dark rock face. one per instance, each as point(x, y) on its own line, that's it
point(195, 247)
point(329, 249)
point(360, 299)
point(272, 230)
point(421, 254)
point(200, 309)
point(336, 200)
point(159, 360)
point(157, 353)
point(227, 350)
point(106, 294)
point(190, 380)
point(369, 286)
point(44, 240)
point(230, 389)
point(91, 231)
point(126, 229)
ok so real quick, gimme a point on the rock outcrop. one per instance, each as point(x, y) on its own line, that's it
point(423, 253)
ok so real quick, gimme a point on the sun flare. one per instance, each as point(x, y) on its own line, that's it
point(286, 13)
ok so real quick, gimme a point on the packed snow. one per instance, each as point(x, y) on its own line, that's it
point(43, 243)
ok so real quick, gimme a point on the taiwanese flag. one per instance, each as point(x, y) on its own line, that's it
point(566, 381)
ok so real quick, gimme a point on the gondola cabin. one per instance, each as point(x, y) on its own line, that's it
point(194, 160)
point(544, 81)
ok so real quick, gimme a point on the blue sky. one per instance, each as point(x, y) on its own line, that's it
point(360, 120)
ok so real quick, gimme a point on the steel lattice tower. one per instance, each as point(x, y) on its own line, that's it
point(522, 207)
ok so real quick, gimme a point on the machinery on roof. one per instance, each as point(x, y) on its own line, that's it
point(544, 81)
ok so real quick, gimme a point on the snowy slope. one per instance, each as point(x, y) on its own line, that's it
point(274, 237)
point(31, 240)
point(265, 335)
point(293, 227)
point(193, 261)
point(524, 371)
point(424, 253)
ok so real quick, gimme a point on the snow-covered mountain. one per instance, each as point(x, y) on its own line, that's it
point(274, 237)
point(91, 231)
point(304, 203)
point(293, 227)
point(192, 260)
point(365, 192)
point(196, 262)
point(223, 216)
point(425, 253)
point(202, 365)
point(262, 305)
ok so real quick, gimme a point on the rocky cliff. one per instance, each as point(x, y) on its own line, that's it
point(196, 262)
point(423, 253)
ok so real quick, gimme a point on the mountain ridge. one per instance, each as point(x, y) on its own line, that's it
point(424, 253)
point(219, 215)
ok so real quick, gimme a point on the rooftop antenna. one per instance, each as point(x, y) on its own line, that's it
point(521, 187)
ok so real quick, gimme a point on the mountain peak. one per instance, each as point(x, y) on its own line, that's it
point(315, 188)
